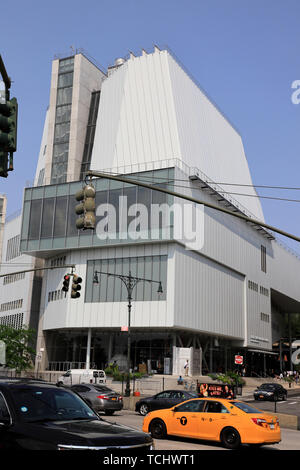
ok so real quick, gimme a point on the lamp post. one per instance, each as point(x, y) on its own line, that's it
point(130, 282)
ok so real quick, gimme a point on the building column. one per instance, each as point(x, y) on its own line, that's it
point(110, 345)
point(88, 349)
point(211, 354)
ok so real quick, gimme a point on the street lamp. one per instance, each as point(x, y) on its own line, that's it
point(130, 282)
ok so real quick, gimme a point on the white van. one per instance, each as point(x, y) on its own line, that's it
point(77, 376)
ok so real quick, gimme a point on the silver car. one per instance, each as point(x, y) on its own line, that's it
point(100, 397)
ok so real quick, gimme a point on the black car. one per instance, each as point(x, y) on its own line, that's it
point(270, 391)
point(165, 399)
point(41, 416)
point(100, 397)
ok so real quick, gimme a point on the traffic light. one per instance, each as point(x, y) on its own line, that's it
point(66, 283)
point(8, 125)
point(86, 208)
point(76, 286)
point(3, 164)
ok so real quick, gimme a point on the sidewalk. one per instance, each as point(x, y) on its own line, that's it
point(157, 383)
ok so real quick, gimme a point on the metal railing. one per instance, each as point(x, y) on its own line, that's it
point(65, 365)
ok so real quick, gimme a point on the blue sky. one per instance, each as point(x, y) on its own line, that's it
point(244, 53)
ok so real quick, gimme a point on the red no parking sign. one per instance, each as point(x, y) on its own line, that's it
point(238, 359)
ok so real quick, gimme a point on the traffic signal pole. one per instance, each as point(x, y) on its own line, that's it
point(4, 75)
point(72, 266)
point(8, 125)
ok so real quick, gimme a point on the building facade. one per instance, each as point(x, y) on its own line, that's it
point(227, 284)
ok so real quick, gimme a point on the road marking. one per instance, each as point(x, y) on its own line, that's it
point(293, 403)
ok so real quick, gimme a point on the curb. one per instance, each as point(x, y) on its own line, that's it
point(287, 421)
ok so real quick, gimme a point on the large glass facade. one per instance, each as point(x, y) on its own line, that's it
point(150, 351)
point(90, 133)
point(112, 289)
point(49, 218)
point(62, 121)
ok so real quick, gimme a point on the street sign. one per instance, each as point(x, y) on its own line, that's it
point(39, 357)
point(2, 353)
point(238, 359)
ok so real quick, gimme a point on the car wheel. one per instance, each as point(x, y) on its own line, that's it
point(109, 412)
point(230, 438)
point(158, 429)
point(143, 409)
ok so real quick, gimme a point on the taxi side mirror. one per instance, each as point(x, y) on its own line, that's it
point(175, 409)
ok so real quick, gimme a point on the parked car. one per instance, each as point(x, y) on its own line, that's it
point(270, 391)
point(100, 397)
point(162, 400)
point(42, 416)
point(230, 422)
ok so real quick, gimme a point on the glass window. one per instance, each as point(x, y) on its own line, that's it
point(72, 217)
point(113, 199)
point(65, 79)
point(64, 95)
point(263, 258)
point(191, 406)
point(80, 388)
point(102, 389)
point(47, 219)
point(35, 219)
point(63, 113)
point(215, 407)
point(113, 289)
point(60, 152)
point(35, 404)
point(244, 407)
point(164, 395)
point(66, 65)
point(60, 216)
point(62, 132)
point(130, 194)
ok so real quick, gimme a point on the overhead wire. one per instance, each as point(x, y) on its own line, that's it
point(291, 188)
point(172, 180)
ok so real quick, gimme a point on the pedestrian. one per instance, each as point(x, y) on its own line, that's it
point(186, 367)
point(180, 380)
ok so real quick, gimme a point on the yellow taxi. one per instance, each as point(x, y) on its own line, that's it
point(231, 422)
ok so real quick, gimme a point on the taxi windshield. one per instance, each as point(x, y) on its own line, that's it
point(35, 404)
point(245, 407)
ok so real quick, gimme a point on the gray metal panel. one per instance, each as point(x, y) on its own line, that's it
point(208, 296)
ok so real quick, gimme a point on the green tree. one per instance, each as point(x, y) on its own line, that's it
point(19, 353)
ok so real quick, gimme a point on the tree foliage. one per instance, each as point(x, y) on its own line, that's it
point(230, 377)
point(19, 353)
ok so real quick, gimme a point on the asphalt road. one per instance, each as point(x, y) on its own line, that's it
point(291, 406)
point(290, 439)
